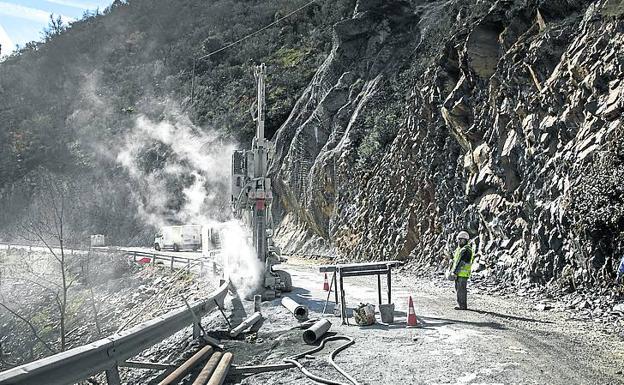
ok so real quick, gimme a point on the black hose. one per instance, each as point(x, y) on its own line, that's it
point(307, 373)
point(310, 375)
point(350, 341)
point(342, 371)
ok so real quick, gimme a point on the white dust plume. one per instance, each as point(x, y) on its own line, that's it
point(175, 161)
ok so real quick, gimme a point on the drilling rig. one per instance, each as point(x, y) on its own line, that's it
point(252, 198)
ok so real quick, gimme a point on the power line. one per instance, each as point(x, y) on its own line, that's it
point(241, 40)
point(258, 31)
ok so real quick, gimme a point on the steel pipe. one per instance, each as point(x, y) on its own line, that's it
point(208, 369)
point(249, 322)
point(218, 378)
point(183, 370)
point(316, 331)
point(255, 369)
point(147, 365)
point(299, 311)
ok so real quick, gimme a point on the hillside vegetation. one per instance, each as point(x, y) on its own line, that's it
point(70, 104)
point(395, 123)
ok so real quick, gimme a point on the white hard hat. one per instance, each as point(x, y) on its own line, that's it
point(463, 235)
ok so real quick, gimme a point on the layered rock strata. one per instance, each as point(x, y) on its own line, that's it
point(504, 118)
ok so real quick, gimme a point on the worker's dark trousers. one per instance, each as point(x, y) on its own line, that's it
point(461, 287)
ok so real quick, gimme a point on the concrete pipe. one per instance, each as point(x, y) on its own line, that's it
point(249, 322)
point(299, 311)
point(316, 331)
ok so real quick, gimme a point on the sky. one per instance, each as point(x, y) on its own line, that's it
point(22, 21)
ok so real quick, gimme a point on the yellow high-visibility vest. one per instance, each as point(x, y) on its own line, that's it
point(466, 269)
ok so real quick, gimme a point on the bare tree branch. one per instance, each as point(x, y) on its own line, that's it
point(30, 326)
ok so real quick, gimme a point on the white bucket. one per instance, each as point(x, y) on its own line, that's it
point(386, 310)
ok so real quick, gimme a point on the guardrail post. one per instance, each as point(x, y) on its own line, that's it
point(196, 329)
point(154, 259)
point(134, 256)
point(188, 264)
point(112, 376)
point(172, 263)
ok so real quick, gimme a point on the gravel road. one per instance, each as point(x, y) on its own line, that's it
point(498, 341)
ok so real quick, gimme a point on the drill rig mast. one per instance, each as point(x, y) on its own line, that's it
point(252, 198)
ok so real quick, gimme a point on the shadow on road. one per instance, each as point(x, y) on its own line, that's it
point(434, 322)
point(507, 316)
point(384, 326)
point(303, 297)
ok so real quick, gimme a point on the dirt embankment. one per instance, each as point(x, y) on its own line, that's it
point(105, 292)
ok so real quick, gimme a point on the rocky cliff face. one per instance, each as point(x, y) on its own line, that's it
point(501, 117)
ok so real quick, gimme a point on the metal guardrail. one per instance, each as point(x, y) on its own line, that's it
point(9, 246)
point(82, 362)
point(154, 257)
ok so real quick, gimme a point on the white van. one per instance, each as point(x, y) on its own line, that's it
point(176, 238)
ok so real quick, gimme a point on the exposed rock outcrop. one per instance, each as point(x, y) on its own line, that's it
point(501, 117)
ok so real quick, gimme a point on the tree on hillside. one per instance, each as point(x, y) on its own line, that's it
point(53, 273)
point(55, 27)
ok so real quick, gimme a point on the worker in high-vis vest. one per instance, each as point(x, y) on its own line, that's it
point(461, 268)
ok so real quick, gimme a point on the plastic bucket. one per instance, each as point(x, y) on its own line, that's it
point(386, 311)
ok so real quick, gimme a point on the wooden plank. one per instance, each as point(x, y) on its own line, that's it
point(359, 266)
point(365, 272)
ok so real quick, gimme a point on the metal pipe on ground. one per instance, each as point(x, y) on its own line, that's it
point(219, 375)
point(299, 311)
point(255, 369)
point(249, 322)
point(208, 369)
point(316, 331)
point(183, 370)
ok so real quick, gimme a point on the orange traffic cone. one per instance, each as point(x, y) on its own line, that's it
point(411, 314)
point(326, 284)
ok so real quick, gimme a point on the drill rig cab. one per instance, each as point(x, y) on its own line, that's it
point(252, 198)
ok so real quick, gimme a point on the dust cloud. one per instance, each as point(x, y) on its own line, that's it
point(198, 163)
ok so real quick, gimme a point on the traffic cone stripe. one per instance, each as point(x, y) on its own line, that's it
point(411, 314)
point(326, 284)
